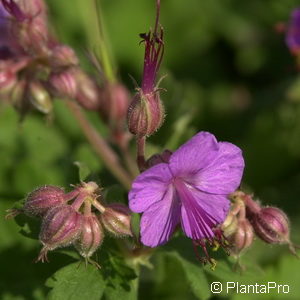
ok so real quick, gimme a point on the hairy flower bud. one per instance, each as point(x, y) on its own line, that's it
point(42, 199)
point(242, 238)
point(39, 97)
point(61, 226)
point(63, 57)
point(271, 224)
point(91, 236)
point(145, 114)
point(117, 219)
point(88, 94)
point(64, 83)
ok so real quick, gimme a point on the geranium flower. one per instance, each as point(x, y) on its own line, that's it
point(191, 189)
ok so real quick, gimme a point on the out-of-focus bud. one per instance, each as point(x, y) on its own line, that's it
point(115, 102)
point(32, 36)
point(271, 225)
point(61, 226)
point(8, 80)
point(42, 199)
point(62, 57)
point(39, 97)
point(64, 83)
point(91, 236)
point(117, 219)
point(242, 238)
point(293, 32)
point(159, 158)
point(17, 94)
point(229, 226)
point(145, 114)
point(88, 93)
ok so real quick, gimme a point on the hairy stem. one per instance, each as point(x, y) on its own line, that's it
point(140, 145)
point(129, 161)
point(100, 146)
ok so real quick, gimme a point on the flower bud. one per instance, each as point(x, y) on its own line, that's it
point(91, 236)
point(8, 80)
point(242, 238)
point(230, 225)
point(159, 158)
point(42, 199)
point(18, 93)
point(117, 219)
point(64, 84)
point(271, 225)
point(40, 98)
point(145, 114)
point(61, 226)
point(115, 102)
point(88, 94)
point(32, 36)
point(63, 57)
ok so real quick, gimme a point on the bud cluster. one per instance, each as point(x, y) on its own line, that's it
point(34, 66)
point(76, 218)
point(248, 217)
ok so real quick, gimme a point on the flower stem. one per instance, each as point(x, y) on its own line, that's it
point(103, 49)
point(100, 146)
point(140, 145)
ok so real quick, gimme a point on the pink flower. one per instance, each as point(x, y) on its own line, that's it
point(191, 189)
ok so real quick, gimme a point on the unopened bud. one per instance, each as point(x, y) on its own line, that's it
point(17, 94)
point(145, 114)
point(62, 57)
point(229, 226)
point(91, 236)
point(271, 225)
point(40, 98)
point(64, 84)
point(117, 219)
point(61, 226)
point(242, 238)
point(88, 94)
point(42, 199)
point(115, 102)
point(159, 158)
point(8, 80)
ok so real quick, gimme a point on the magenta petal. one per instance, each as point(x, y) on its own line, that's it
point(149, 187)
point(224, 174)
point(160, 220)
point(194, 155)
point(200, 212)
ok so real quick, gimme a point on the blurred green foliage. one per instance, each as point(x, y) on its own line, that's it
point(230, 73)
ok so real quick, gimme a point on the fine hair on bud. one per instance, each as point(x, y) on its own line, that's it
point(91, 236)
point(145, 114)
point(116, 219)
point(242, 238)
point(42, 199)
point(61, 226)
point(271, 225)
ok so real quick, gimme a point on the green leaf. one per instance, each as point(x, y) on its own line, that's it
point(121, 280)
point(83, 170)
point(195, 276)
point(76, 282)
